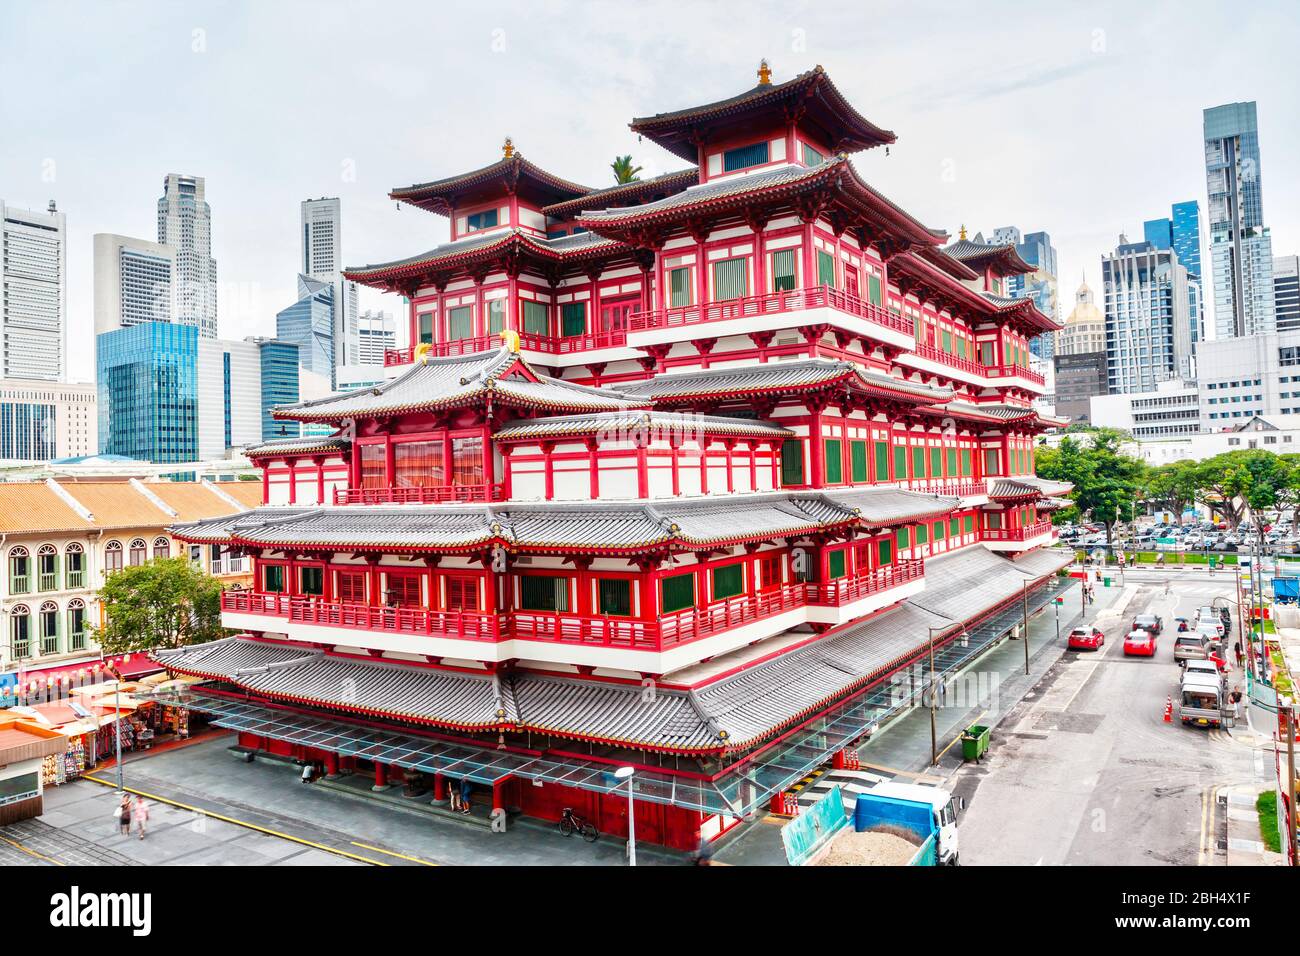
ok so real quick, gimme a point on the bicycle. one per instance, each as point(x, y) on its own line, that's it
point(571, 823)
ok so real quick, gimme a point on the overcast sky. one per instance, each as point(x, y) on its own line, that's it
point(1080, 119)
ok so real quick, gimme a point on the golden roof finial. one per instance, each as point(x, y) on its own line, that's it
point(508, 148)
point(511, 339)
point(962, 232)
point(764, 73)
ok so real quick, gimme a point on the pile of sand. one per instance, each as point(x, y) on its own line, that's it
point(869, 848)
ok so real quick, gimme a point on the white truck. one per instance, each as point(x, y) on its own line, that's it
point(1201, 697)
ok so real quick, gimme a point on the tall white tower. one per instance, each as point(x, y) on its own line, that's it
point(33, 293)
point(185, 224)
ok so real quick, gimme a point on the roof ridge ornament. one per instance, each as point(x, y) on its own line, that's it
point(508, 148)
point(422, 352)
point(961, 233)
point(764, 73)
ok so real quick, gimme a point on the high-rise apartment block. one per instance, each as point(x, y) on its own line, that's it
point(135, 282)
point(322, 260)
point(1148, 326)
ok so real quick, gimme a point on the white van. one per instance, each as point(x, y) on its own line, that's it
point(1201, 698)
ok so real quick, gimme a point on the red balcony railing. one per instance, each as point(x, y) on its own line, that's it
point(954, 361)
point(769, 303)
point(844, 590)
point(1018, 534)
point(1014, 371)
point(668, 630)
point(551, 345)
point(423, 495)
point(959, 487)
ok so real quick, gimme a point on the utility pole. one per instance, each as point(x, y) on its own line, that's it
point(1290, 778)
point(934, 739)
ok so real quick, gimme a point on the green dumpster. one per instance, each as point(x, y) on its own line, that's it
point(974, 742)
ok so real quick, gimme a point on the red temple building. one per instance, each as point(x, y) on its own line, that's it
point(684, 474)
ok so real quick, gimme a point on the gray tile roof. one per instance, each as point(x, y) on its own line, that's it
point(783, 376)
point(716, 189)
point(624, 192)
point(218, 530)
point(885, 506)
point(1022, 486)
point(457, 380)
point(298, 445)
point(734, 712)
point(626, 423)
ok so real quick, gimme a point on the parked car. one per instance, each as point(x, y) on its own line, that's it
point(1086, 638)
point(1139, 643)
point(1151, 623)
point(1191, 646)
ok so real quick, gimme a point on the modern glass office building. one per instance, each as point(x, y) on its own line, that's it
point(1148, 328)
point(279, 387)
point(309, 324)
point(148, 392)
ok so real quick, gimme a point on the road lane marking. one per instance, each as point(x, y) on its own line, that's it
point(238, 822)
point(31, 852)
point(379, 849)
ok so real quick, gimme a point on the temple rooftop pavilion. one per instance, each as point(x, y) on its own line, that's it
point(676, 473)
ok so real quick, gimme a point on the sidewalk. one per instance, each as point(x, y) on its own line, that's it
point(1245, 848)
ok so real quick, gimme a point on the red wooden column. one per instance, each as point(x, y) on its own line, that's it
point(648, 609)
point(375, 596)
point(704, 464)
point(266, 481)
point(730, 446)
point(331, 764)
point(593, 469)
point(507, 485)
point(293, 479)
point(753, 464)
point(390, 462)
point(582, 581)
point(439, 788)
point(760, 259)
point(320, 479)
point(642, 467)
point(489, 462)
point(381, 778)
point(776, 463)
point(809, 270)
point(512, 301)
point(816, 445)
point(549, 467)
point(354, 467)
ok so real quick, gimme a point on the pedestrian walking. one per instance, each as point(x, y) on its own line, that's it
point(1238, 653)
point(1236, 697)
point(140, 814)
point(466, 791)
point(123, 813)
point(453, 795)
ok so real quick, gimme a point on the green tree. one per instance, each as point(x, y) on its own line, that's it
point(163, 603)
point(1173, 487)
point(624, 171)
point(1245, 482)
point(1107, 482)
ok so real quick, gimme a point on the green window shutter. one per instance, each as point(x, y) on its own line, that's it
point(947, 341)
point(966, 524)
point(460, 323)
point(986, 353)
point(991, 464)
point(965, 462)
point(273, 578)
point(679, 284)
point(573, 318)
point(938, 530)
point(728, 581)
point(538, 592)
point(825, 269)
point(742, 157)
point(886, 551)
point(882, 461)
point(728, 279)
point(952, 461)
point(791, 463)
point(812, 157)
point(961, 348)
point(496, 316)
point(858, 460)
point(903, 538)
point(783, 270)
point(873, 289)
point(918, 462)
point(936, 462)
point(535, 318)
point(678, 592)
point(900, 462)
point(836, 564)
point(834, 462)
point(615, 596)
point(954, 526)
point(426, 326)
point(922, 534)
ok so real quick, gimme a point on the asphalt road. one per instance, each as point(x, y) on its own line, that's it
point(1084, 771)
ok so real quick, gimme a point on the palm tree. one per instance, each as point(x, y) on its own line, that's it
point(624, 171)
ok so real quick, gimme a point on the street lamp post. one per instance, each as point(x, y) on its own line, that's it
point(1024, 631)
point(626, 773)
point(934, 738)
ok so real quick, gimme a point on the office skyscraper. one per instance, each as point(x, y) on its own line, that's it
point(33, 293)
point(376, 333)
point(185, 224)
point(134, 282)
point(1181, 232)
point(1286, 292)
point(322, 260)
point(1148, 328)
point(1241, 251)
point(309, 324)
point(1041, 285)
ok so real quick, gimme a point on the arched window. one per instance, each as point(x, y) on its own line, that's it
point(162, 548)
point(20, 631)
point(47, 568)
point(76, 625)
point(112, 557)
point(49, 624)
point(20, 571)
point(74, 567)
point(139, 552)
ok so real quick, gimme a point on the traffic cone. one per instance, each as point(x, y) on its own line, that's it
point(1169, 710)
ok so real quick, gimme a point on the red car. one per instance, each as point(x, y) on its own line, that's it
point(1086, 639)
point(1139, 644)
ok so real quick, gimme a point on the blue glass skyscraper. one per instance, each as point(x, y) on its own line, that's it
point(279, 387)
point(309, 324)
point(148, 392)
